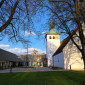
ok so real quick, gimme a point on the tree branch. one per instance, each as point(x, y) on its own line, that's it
point(1, 3)
point(10, 18)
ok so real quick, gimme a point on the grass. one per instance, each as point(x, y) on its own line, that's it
point(43, 78)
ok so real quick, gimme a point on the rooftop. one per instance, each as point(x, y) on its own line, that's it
point(8, 56)
point(64, 43)
point(53, 32)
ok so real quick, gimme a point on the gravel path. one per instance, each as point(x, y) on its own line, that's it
point(36, 69)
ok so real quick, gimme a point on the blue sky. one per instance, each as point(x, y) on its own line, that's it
point(38, 42)
point(42, 25)
point(18, 48)
point(41, 22)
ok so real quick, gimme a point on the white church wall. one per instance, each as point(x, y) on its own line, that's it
point(59, 60)
point(72, 57)
point(52, 45)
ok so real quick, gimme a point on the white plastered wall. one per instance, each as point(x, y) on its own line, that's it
point(59, 60)
point(72, 57)
point(52, 45)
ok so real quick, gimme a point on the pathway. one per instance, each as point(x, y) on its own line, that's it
point(36, 69)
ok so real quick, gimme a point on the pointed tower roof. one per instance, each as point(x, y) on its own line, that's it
point(52, 29)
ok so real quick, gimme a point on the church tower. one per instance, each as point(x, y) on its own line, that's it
point(52, 42)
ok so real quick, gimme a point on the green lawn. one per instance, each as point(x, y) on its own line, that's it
point(43, 78)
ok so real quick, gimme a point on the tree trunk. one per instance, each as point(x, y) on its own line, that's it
point(83, 55)
point(84, 65)
point(84, 61)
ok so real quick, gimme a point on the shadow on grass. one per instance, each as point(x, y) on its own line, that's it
point(43, 78)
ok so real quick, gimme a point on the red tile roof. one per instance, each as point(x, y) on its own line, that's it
point(64, 43)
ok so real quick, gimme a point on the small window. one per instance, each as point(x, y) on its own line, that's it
point(49, 37)
point(58, 60)
point(53, 37)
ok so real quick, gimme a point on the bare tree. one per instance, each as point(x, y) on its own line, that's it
point(26, 45)
point(15, 18)
point(69, 16)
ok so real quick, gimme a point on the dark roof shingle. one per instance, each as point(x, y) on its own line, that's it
point(8, 56)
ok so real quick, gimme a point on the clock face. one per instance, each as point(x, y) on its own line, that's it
point(57, 37)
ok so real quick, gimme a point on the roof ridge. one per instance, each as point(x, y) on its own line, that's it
point(64, 42)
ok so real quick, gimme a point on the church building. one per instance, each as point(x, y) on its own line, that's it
point(63, 54)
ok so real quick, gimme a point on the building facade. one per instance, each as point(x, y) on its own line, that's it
point(34, 60)
point(8, 59)
point(63, 54)
point(67, 56)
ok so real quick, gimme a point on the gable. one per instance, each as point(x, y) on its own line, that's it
point(64, 43)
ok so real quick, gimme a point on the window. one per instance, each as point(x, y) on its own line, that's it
point(58, 60)
point(53, 37)
point(49, 37)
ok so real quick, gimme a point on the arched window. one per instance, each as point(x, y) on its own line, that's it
point(53, 37)
point(49, 37)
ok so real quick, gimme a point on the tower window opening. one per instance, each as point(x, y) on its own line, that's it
point(53, 37)
point(49, 37)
